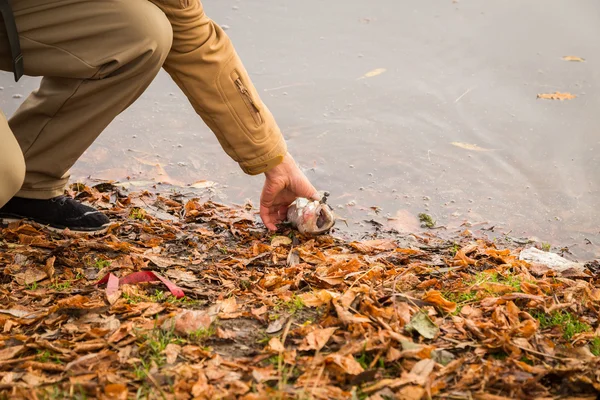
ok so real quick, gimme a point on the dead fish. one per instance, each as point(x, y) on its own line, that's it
point(311, 217)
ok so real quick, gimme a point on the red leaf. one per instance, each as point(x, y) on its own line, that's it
point(138, 277)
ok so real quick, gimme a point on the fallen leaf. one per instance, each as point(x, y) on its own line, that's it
point(435, 297)
point(116, 391)
point(469, 146)
point(275, 345)
point(280, 241)
point(202, 184)
point(347, 363)
point(316, 339)
point(10, 352)
point(189, 321)
point(556, 96)
point(375, 72)
point(172, 352)
point(276, 325)
point(49, 268)
point(573, 58)
point(31, 275)
point(421, 323)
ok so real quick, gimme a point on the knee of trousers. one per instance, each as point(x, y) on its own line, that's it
point(147, 36)
point(12, 174)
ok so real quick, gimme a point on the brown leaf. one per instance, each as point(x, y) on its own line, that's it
point(275, 345)
point(172, 352)
point(189, 321)
point(556, 96)
point(316, 339)
point(49, 268)
point(116, 391)
point(9, 353)
point(31, 275)
point(280, 241)
point(347, 363)
point(411, 392)
point(435, 297)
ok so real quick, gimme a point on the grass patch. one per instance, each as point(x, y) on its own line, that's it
point(546, 246)
point(202, 334)
point(45, 356)
point(566, 321)
point(101, 264)
point(595, 346)
point(426, 220)
point(150, 347)
point(292, 306)
point(61, 287)
point(138, 214)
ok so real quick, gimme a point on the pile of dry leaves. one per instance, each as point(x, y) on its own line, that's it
point(284, 316)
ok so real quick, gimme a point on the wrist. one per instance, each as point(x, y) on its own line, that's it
point(282, 167)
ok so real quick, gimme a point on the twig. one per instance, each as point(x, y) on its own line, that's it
point(463, 95)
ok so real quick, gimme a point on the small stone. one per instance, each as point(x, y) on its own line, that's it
point(351, 166)
point(235, 8)
point(394, 190)
point(361, 188)
point(1, 87)
point(17, 96)
point(134, 136)
point(370, 174)
point(426, 198)
point(225, 27)
point(179, 145)
point(351, 203)
point(182, 164)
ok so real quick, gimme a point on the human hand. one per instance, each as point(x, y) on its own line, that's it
point(284, 183)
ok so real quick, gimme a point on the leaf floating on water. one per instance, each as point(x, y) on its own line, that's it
point(556, 96)
point(375, 72)
point(202, 184)
point(421, 323)
point(469, 146)
point(573, 58)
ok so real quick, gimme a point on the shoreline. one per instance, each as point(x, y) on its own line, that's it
point(284, 315)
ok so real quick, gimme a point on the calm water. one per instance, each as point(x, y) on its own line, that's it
point(464, 73)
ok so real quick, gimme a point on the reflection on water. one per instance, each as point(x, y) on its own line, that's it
point(452, 127)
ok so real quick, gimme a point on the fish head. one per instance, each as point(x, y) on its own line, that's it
point(311, 217)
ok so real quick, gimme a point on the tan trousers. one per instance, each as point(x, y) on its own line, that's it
point(97, 57)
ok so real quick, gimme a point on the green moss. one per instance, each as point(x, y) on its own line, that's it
point(566, 321)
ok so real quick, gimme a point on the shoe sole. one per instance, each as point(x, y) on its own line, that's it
point(95, 232)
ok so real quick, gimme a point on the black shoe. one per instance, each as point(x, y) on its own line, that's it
point(60, 213)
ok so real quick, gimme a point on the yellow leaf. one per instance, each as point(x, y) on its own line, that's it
point(573, 58)
point(375, 72)
point(556, 96)
point(468, 146)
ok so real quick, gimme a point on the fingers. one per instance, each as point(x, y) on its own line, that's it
point(267, 218)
